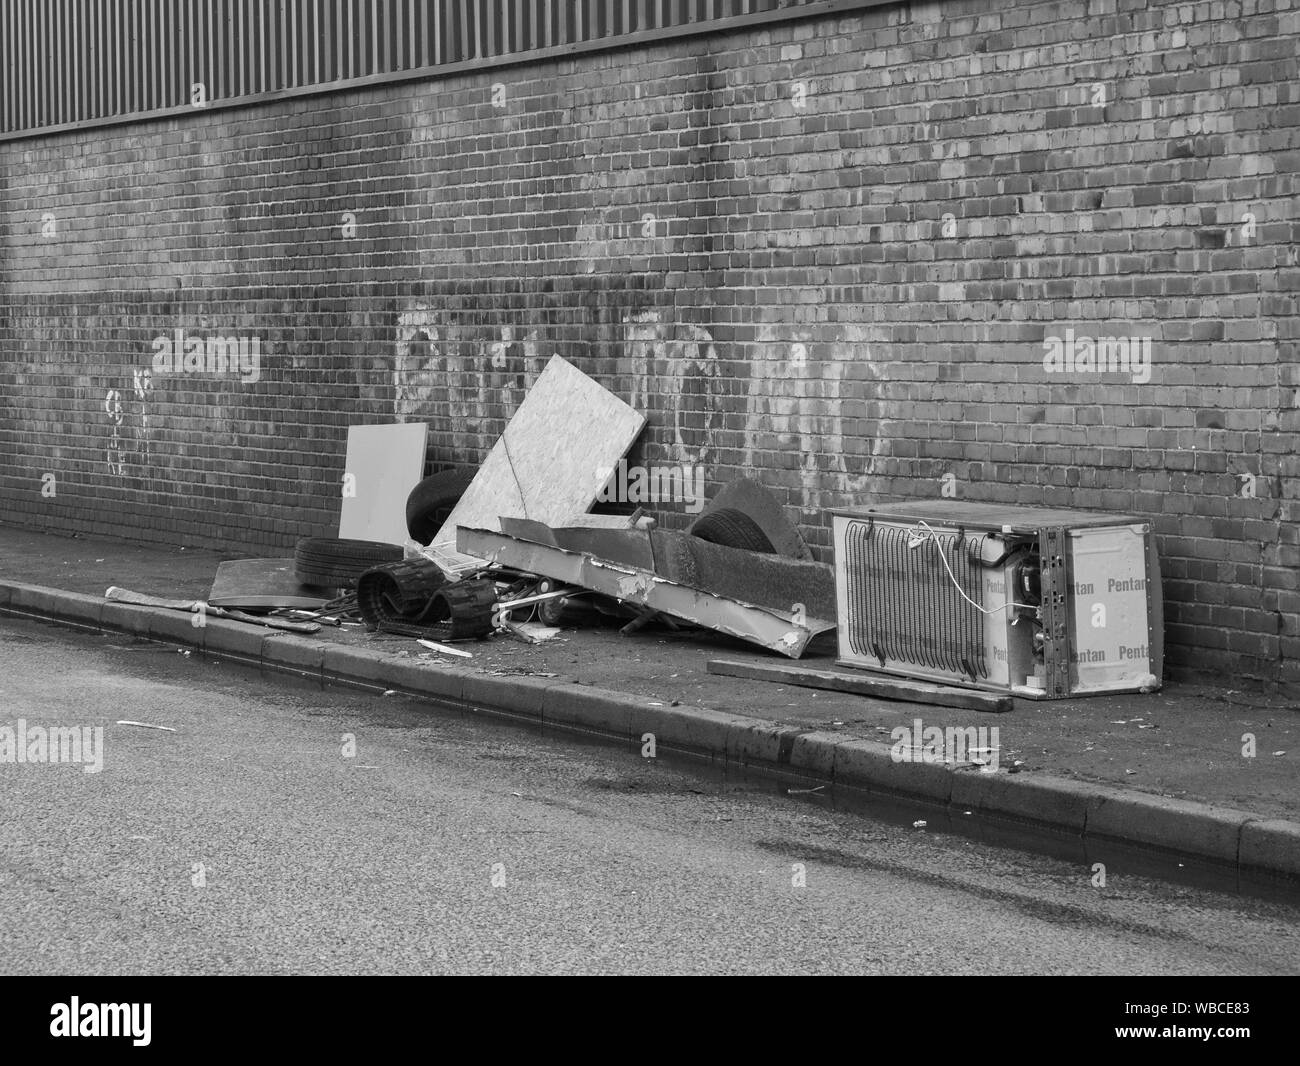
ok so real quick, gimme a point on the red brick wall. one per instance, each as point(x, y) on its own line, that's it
point(828, 251)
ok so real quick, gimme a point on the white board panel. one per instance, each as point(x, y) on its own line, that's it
point(386, 463)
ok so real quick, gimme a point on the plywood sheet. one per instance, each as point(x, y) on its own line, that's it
point(548, 463)
point(386, 463)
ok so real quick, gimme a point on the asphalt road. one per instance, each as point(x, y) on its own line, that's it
point(249, 841)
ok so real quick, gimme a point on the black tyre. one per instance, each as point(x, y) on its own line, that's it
point(568, 613)
point(432, 500)
point(335, 563)
point(732, 529)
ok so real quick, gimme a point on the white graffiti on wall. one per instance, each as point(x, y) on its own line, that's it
point(812, 414)
point(116, 454)
point(419, 378)
point(459, 377)
point(463, 381)
point(818, 402)
point(118, 451)
point(674, 369)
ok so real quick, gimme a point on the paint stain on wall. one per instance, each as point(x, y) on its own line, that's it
point(813, 415)
point(674, 369)
point(461, 374)
point(467, 377)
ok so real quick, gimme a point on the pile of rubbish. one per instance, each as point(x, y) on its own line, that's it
point(943, 593)
point(511, 548)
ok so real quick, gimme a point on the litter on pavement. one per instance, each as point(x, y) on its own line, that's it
point(943, 602)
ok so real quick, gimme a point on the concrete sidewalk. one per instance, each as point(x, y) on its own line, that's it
point(1164, 771)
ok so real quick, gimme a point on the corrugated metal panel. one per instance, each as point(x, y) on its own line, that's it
point(65, 62)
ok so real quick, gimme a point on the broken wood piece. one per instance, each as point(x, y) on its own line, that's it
point(434, 646)
point(863, 684)
point(262, 620)
point(140, 599)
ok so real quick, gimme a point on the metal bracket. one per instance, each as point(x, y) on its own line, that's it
point(1056, 615)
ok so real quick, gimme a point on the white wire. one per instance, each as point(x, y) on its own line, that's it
point(921, 523)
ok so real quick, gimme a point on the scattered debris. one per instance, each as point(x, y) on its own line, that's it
point(769, 628)
point(920, 824)
point(413, 598)
point(444, 649)
point(530, 632)
point(398, 593)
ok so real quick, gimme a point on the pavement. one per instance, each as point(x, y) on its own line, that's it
point(1164, 772)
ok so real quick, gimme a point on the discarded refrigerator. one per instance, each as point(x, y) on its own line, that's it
point(1042, 603)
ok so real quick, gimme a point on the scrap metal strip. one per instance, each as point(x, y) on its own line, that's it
point(644, 588)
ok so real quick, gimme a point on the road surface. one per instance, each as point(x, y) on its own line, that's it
point(283, 829)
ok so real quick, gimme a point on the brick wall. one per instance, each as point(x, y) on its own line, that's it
point(833, 251)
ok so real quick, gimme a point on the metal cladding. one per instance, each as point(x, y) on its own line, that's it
point(779, 631)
